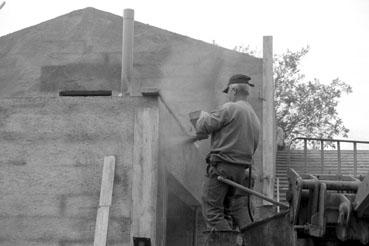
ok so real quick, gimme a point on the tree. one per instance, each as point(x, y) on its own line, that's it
point(306, 108)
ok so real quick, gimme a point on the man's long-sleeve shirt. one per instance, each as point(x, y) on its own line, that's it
point(234, 129)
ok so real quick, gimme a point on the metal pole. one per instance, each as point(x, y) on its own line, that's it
point(355, 159)
point(252, 192)
point(305, 155)
point(127, 51)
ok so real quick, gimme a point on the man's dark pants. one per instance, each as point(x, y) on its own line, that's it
point(225, 207)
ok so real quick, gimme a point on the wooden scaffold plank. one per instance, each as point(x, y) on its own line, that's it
point(106, 193)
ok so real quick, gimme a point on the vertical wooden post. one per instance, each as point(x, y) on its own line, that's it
point(339, 157)
point(269, 138)
point(322, 157)
point(355, 159)
point(305, 157)
point(161, 204)
point(278, 195)
point(127, 51)
point(145, 209)
point(106, 193)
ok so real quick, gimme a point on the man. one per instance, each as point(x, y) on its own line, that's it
point(234, 130)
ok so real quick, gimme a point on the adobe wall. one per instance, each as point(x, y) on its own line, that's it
point(193, 76)
point(52, 149)
point(82, 50)
point(181, 157)
point(51, 157)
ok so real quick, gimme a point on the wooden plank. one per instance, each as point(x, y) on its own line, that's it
point(322, 156)
point(355, 160)
point(107, 181)
point(145, 174)
point(268, 120)
point(127, 82)
point(101, 228)
point(106, 193)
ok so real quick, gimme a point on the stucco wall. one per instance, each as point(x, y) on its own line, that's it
point(82, 50)
point(51, 157)
point(182, 158)
point(193, 77)
point(185, 173)
point(52, 149)
point(180, 223)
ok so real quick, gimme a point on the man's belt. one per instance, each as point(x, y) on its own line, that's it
point(213, 157)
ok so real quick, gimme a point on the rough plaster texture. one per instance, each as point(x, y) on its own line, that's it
point(82, 50)
point(51, 157)
point(44, 148)
point(182, 158)
point(180, 223)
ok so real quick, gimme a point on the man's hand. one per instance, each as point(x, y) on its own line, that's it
point(194, 116)
point(198, 137)
point(201, 136)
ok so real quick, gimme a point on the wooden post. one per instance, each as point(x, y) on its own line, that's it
point(305, 157)
point(268, 127)
point(106, 193)
point(339, 157)
point(147, 215)
point(127, 52)
point(321, 157)
point(278, 195)
point(355, 159)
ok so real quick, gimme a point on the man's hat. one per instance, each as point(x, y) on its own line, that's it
point(238, 79)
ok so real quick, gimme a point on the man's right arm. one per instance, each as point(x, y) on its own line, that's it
point(211, 122)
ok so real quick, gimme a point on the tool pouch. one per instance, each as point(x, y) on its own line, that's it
point(212, 163)
point(211, 158)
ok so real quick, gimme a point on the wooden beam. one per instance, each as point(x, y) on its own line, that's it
point(107, 181)
point(145, 175)
point(161, 204)
point(106, 193)
point(101, 228)
point(268, 122)
point(127, 54)
point(150, 92)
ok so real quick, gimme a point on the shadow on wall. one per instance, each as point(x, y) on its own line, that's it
point(180, 222)
point(105, 74)
point(80, 76)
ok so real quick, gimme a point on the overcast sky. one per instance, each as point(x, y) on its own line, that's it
point(337, 32)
